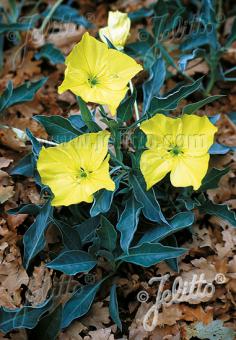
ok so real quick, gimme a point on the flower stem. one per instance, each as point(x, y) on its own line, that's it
point(48, 17)
point(135, 103)
point(211, 82)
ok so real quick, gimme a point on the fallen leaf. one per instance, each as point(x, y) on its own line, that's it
point(101, 334)
point(12, 276)
point(97, 317)
point(73, 331)
point(6, 187)
point(9, 139)
point(39, 285)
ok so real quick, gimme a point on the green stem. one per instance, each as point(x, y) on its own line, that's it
point(115, 160)
point(220, 11)
point(48, 17)
point(211, 82)
point(119, 154)
point(135, 102)
point(212, 62)
point(34, 9)
point(119, 264)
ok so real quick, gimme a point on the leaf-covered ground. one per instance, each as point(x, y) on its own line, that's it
point(211, 245)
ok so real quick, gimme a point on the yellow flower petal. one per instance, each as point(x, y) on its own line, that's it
point(75, 170)
point(189, 171)
point(198, 134)
point(153, 167)
point(161, 130)
point(117, 30)
point(88, 54)
point(58, 158)
point(122, 68)
point(98, 74)
point(100, 179)
point(75, 80)
point(113, 98)
point(178, 145)
point(91, 148)
point(70, 193)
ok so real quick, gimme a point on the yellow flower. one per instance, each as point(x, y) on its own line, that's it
point(98, 74)
point(117, 30)
point(179, 146)
point(77, 169)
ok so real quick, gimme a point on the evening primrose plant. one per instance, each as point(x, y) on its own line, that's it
point(119, 181)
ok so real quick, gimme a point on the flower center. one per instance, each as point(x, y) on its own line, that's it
point(82, 174)
point(175, 150)
point(93, 81)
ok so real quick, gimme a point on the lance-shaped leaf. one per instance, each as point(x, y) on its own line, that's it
point(212, 179)
point(52, 53)
point(172, 263)
point(149, 254)
point(192, 108)
point(113, 307)
point(25, 167)
point(103, 199)
point(87, 229)
point(128, 222)
point(151, 208)
point(154, 83)
point(49, 326)
point(220, 210)
point(87, 116)
point(220, 149)
point(58, 128)
point(176, 223)
point(36, 146)
point(20, 94)
point(140, 14)
point(171, 101)
point(125, 109)
point(66, 13)
point(72, 262)
point(79, 304)
point(34, 239)
point(32, 209)
point(25, 317)
point(107, 235)
point(70, 236)
point(208, 19)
